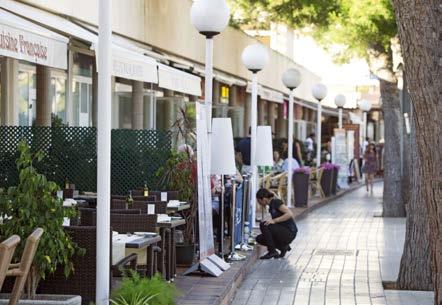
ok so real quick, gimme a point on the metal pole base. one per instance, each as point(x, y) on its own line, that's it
point(244, 247)
point(235, 257)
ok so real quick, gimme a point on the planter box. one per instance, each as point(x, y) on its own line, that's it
point(300, 186)
point(326, 181)
point(185, 253)
point(334, 181)
point(45, 299)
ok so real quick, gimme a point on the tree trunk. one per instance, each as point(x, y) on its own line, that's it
point(419, 32)
point(415, 269)
point(393, 203)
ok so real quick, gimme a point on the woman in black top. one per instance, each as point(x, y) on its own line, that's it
point(279, 231)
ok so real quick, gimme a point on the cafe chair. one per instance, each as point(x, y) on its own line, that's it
point(315, 182)
point(21, 270)
point(7, 248)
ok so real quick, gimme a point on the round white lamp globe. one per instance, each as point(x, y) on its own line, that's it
point(209, 17)
point(255, 57)
point(340, 100)
point(364, 105)
point(291, 78)
point(319, 91)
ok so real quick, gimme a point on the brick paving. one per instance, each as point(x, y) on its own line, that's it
point(340, 257)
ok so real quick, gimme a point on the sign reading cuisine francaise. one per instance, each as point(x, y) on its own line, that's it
point(36, 48)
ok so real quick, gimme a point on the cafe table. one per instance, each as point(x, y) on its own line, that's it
point(167, 260)
point(124, 244)
point(172, 209)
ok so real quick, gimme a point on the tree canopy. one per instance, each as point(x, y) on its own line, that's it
point(362, 27)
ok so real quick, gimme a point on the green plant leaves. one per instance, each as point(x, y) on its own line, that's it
point(32, 204)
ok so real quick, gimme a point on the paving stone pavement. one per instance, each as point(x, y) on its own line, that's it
point(340, 257)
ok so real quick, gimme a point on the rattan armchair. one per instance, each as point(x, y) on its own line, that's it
point(315, 182)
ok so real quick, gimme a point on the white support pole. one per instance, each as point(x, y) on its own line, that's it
point(208, 83)
point(365, 127)
point(318, 136)
point(103, 153)
point(290, 151)
point(253, 127)
point(340, 118)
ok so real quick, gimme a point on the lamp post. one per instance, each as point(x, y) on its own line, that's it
point(103, 152)
point(291, 79)
point(340, 102)
point(209, 17)
point(365, 106)
point(254, 58)
point(319, 92)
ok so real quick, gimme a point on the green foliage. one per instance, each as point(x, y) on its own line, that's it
point(32, 204)
point(135, 289)
point(358, 25)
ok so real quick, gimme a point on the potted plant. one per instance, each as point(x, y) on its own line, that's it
point(180, 173)
point(32, 204)
point(301, 178)
point(135, 290)
point(326, 179)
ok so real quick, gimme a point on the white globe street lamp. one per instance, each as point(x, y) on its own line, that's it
point(365, 106)
point(209, 17)
point(291, 78)
point(319, 92)
point(254, 58)
point(340, 103)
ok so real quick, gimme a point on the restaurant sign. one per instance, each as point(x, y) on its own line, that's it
point(32, 47)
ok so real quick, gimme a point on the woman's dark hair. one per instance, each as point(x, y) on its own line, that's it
point(264, 193)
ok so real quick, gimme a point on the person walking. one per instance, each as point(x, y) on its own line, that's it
point(370, 166)
point(278, 231)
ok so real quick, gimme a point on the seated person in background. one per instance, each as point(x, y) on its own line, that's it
point(285, 165)
point(277, 162)
point(279, 231)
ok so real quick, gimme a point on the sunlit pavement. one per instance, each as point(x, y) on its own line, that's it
point(341, 255)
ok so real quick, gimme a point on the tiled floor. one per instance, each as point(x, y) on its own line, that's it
point(340, 257)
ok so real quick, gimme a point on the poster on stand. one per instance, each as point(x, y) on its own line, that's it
point(238, 215)
point(341, 156)
point(206, 245)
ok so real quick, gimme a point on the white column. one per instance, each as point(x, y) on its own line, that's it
point(9, 92)
point(290, 151)
point(340, 117)
point(365, 127)
point(137, 105)
point(103, 153)
point(254, 178)
point(318, 135)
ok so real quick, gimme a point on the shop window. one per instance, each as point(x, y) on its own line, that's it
point(82, 89)
point(58, 91)
point(27, 95)
point(225, 91)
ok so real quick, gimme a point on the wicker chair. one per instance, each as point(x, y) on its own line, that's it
point(171, 195)
point(83, 280)
point(315, 182)
point(145, 198)
point(160, 206)
point(118, 204)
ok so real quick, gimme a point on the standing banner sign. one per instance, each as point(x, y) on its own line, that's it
point(238, 215)
point(340, 156)
point(206, 245)
point(207, 255)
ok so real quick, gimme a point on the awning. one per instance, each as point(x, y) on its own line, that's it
point(267, 94)
point(24, 40)
point(176, 80)
point(127, 61)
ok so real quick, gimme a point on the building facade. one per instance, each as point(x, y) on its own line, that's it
point(49, 67)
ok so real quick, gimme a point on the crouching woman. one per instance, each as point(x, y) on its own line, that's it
point(279, 231)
